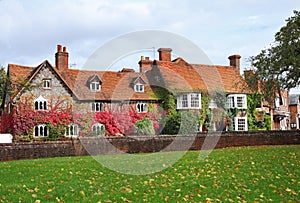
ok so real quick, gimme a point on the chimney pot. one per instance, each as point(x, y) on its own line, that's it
point(65, 49)
point(59, 48)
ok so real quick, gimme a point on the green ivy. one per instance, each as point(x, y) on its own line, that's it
point(253, 101)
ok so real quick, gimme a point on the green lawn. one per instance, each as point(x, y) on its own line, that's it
point(246, 174)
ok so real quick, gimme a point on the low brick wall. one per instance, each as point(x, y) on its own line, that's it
point(131, 144)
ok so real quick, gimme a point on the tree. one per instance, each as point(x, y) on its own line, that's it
point(3, 80)
point(278, 67)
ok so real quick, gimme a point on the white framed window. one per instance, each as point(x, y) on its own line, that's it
point(95, 86)
point(40, 104)
point(72, 130)
point(139, 87)
point(141, 107)
point(240, 124)
point(189, 101)
point(41, 130)
point(47, 83)
point(237, 101)
point(98, 129)
point(97, 106)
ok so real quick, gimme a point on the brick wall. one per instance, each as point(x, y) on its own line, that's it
point(112, 145)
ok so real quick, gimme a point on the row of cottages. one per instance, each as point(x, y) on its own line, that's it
point(282, 111)
point(46, 85)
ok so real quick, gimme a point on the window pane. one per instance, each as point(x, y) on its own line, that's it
point(67, 130)
point(195, 100)
point(230, 102)
point(45, 131)
point(45, 105)
point(36, 131)
point(240, 102)
point(184, 101)
point(102, 130)
point(241, 124)
point(71, 130)
point(36, 105)
point(41, 131)
point(75, 130)
point(144, 107)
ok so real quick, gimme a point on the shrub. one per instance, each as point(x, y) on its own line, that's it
point(144, 127)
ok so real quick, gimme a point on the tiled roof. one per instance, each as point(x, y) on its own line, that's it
point(179, 76)
point(17, 75)
point(226, 78)
point(176, 76)
point(115, 85)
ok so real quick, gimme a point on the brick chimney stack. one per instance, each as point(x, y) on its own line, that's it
point(62, 58)
point(165, 54)
point(234, 61)
point(145, 64)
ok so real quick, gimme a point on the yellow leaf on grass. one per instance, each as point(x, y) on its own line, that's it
point(288, 190)
point(82, 193)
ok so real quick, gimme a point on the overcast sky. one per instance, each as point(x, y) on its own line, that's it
point(31, 29)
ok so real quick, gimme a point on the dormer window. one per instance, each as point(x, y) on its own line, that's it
point(139, 87)
point(94, 83)
point(138, 84)
point(95, 86)
point(47, 83)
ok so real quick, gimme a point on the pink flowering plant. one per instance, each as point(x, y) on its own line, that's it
point(25, 118)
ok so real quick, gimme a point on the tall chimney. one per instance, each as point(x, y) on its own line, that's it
point(62, 58)
point(145, 64)
point(234, 61)
point(165, 54)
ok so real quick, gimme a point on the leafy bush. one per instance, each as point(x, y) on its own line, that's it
point(144, 127)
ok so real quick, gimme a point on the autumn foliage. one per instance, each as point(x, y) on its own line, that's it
point(24, 118)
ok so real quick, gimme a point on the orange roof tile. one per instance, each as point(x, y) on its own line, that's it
point(225, 78)
point(115, 85)
point(18, 75)
point(179, 76)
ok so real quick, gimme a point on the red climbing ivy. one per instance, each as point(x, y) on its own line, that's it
point(24, 118)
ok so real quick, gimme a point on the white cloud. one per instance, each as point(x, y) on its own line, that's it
point(30, 30)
